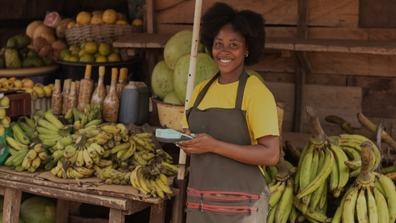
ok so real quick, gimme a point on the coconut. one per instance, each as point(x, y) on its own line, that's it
point(205, 69)
point(162, 79)
point(177, 46)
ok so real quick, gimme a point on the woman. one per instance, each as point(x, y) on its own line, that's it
point(234, 119)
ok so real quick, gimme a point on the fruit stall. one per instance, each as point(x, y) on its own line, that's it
point(85, 87)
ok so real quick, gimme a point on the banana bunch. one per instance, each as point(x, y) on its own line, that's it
point(281, 208)
point(80, 118)
point(50, 129)
point(35, 158)
point(28, 125)
point(372, 198)
point(155, 186)
point(124, 150)
point(144, 141)
point(113, 176)
point(340, 173)
point(314, 169)
point(71, 172)
point(351, 145)
point(16, 158)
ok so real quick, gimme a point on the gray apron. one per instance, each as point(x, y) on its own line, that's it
point(222, 190)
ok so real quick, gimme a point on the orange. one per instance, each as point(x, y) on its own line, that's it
point(83, 18)
point(109, 16)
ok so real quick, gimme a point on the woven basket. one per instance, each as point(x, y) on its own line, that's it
point(99, 33)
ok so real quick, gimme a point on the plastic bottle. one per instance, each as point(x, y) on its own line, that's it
point(134, 103)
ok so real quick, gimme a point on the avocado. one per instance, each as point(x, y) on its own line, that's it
point(11, 58)
point(22, 40)
point(32, 61)
point(11, 43)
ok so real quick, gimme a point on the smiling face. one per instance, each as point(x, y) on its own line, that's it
point(229, 51)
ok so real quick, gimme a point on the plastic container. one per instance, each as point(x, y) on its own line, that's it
point(134, 103)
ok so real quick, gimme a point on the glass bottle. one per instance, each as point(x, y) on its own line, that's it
point(85, 89)
point(99, 93)
point(111, 102)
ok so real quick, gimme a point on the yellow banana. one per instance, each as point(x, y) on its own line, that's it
point(164, 186)
point(26, 163)
point(31, 154)
point(15, 144)
point(120, 147)
point(38, 148)
point(36, 162)
point(382, 206)
point(338, 213)
point(390, 195)
point(87, 172)
point(19, 134)
point(348, 213)
point(361, 207)
point(109, 128)
point(155, 189)
point(127, 154)
point(43, 156)
point(87, 158)
point(79, 158)
point(69, 151)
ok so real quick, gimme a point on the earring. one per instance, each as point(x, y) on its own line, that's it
point(247, 54)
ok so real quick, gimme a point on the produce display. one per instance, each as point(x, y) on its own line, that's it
point(335, 179)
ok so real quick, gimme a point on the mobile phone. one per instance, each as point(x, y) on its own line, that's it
point(171, 135)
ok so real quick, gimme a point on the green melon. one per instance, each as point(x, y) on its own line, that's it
point(177, 46)
point(171, 98)
point(38, 209)
point(205, 69)
point(161, 80)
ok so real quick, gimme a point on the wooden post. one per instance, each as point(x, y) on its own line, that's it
point(62, 211)
point(12, 205)
point(116, 216)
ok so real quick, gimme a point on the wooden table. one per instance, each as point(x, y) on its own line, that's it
point(121, 200)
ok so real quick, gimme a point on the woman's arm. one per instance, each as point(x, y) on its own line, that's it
point(265, 152)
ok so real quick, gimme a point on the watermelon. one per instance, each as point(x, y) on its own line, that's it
point(161, 79)
point(206, 68)
point(38, 209)
point(177, 46)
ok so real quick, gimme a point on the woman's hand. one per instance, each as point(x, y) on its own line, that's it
point(201, 143)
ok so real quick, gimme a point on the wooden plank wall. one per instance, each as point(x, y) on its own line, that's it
point(327, 19)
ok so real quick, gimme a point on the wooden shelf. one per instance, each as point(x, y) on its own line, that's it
point(337, 46)
point(146, 40)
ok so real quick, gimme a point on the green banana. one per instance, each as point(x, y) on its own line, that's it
point(343, 170)
point(348, 213)
point(382, 206)
point(305, 167)
point(49, 116)
point(276, 193)
point(361, 207)
point(321, 177)
point(390, 195)
point(285, 204)
point(371, 206)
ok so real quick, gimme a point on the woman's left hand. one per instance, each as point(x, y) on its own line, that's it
point(201, 143)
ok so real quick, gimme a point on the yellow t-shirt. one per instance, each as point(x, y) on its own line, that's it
point(258, 102)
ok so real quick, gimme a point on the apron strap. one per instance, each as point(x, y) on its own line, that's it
point(241, 88)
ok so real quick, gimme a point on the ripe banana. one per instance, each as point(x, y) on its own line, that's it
point(16, 145)
point(19, 134)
